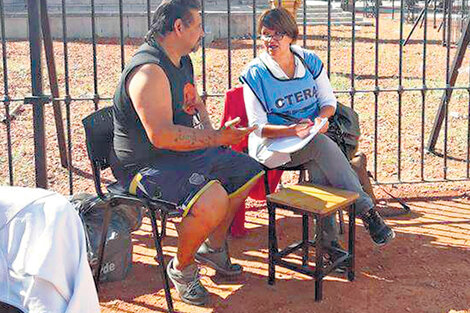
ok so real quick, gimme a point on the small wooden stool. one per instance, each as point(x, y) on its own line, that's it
point(319, 202)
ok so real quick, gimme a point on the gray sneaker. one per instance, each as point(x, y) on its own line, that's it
point(218, 260)
point(188, 285)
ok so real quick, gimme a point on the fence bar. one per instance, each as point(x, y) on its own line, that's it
point(353, 48)
point(423, 92)
point(468, 118)
point(444, 25)
point(254, 35)
point(376, 92)
point(400, 87)
point(462, 13)
point(203, 43)
point(304, 22)
point(339, 92)
point(37, 94)
point(121, 34)
point(448, 92)
point(435, 14)
point(149, 13)
point(95, 63)
point(67, 96)
point(428, 181)
point(229, 45)
point(6, 96)
point(50, 59)
point(468, 130)
point(11, 100)
point(328, 43)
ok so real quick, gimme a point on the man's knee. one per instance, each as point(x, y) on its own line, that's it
point(212, 205)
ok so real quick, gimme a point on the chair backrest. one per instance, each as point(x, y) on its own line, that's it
point(99, 128)
point(235, 107)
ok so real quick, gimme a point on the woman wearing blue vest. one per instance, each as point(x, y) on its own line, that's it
point(286, 90)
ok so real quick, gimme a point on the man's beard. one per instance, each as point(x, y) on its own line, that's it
point(196, 45)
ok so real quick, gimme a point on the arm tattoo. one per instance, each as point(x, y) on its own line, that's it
point(195, 138)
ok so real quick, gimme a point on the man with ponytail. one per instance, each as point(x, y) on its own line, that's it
point(165, 147)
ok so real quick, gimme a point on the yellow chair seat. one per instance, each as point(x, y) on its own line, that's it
point(312, 198)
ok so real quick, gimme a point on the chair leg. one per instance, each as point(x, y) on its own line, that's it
point(272, 243)
point(164, 219)
point(161, 261)
point(104, 235)
point(351, 242)
point(302, 176)
point(319, 261)
point(305, 242)
point(341, 222)
point(267, 188)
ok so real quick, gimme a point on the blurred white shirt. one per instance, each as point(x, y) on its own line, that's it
point(43, 259)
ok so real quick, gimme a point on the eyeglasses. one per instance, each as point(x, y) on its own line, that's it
point(276, 36)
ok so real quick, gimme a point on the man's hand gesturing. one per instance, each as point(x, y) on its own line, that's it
point(230, 135)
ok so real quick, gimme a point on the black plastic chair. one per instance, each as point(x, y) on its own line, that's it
point(99, 129)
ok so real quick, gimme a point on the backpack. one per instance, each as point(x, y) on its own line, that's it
point(344, 127)
point(117, 259)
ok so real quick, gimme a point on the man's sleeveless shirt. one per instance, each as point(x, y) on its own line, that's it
point(132, 148)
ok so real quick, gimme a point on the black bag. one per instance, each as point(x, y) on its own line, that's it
point(117, 259)
point(344, 126)
point(344, 129)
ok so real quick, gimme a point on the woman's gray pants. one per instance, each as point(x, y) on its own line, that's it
point(326, 165)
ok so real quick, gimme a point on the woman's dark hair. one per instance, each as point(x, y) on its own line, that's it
point(167, 13)
point(279, 20)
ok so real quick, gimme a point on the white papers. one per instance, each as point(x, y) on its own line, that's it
point(292, 144)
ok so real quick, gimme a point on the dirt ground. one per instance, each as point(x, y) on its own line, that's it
point(425, 269)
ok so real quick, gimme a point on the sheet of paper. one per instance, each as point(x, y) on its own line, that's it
point(292, 144)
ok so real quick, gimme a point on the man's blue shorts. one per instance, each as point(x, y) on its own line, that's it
point(181, 178)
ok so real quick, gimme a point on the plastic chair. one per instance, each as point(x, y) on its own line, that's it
point(235, 107)
point(99, 128)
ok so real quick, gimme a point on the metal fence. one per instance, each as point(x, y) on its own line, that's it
point(393, 108)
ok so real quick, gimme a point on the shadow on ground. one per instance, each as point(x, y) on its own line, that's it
point(425, 269)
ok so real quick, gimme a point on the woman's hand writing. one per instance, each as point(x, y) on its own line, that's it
point(302, 129)
point(324, 129)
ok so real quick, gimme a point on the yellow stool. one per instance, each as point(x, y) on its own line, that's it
point(319, 202)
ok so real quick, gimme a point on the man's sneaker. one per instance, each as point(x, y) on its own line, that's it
point(218, 260)
point(378, 230)
point(334, 251)
point(187, 284)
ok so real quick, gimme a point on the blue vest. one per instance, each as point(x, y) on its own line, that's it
point(295, 97)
